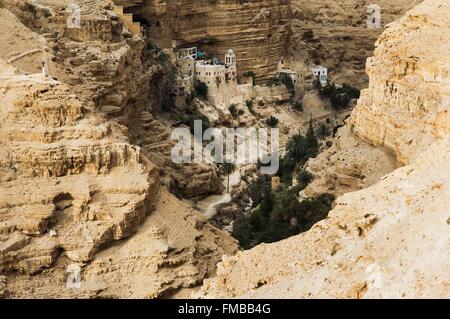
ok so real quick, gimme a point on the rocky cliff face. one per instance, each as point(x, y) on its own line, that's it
point(391, 239)
point(256, 30)
point(75, 193)
point(335, 34)
point(406, 107)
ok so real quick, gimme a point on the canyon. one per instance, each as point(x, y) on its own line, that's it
point(90, 196)
point(390, 240)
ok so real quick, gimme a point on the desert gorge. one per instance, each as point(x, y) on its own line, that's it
point(197, 149)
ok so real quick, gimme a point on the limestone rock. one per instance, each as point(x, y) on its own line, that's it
point(335, 34)
point(68, 169)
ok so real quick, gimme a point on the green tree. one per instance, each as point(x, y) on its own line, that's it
point(297, 148)
point(242, 231)
point(287, 81)
point(272, 121)
point(227, 169)
point(323, 131)
point(298, 106)
point(311, 140)
point(304, 178)
point(233, 110)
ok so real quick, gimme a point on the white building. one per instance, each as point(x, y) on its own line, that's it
point(286, 72)
point(321, 73)
point(221, 78)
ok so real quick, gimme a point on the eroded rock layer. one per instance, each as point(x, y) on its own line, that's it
point(256, 30)
point(335, 34)
point(81, 207)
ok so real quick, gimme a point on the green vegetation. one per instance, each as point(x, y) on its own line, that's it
point(249, 104)
point(298, 106)
point(284, 79)
point(304, 178)
point(278, 214)
point(323, 131)
point(250, 74)
point(201, 89)
point(339, 97)
point(287, 81)
point(298, 150)
point(233, 110)
point(227, 169)
point(152, 47)
point(190, 119)
point(272, 121)
point(162, 57)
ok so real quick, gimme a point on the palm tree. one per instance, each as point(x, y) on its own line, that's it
point(296, 148)
point(227, 169)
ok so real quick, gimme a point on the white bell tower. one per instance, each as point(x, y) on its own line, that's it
point(230, 59)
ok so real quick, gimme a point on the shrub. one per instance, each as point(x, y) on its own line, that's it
point(233, 110)
point(287, 81)
point(162, 57)
point(250, 74)
point(304, 178)
point(272, 121)
point(242, 231)
point(339, 97)
point(153, 47)
point(323, 131)
point(249, 104)
point(298, 106)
